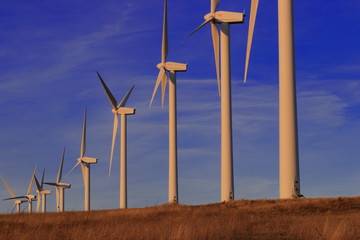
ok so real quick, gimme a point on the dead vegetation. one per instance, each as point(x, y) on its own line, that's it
point(325, 219)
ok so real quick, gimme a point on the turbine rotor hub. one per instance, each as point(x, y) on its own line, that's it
point(161, 65)
point(30, 197)
point(210, 16)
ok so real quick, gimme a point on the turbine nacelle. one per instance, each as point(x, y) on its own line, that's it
point(124, 111)
point(30, 197)
point(173, 66)
point(64, 185)
point(46, 192)
point(88, 160)
point(224, 16)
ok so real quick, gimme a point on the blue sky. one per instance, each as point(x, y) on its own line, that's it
point(49, 55)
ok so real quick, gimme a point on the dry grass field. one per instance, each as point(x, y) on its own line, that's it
point(324, 219)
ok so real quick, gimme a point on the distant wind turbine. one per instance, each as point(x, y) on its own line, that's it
point(171, 68)
point(59, 187)
point(85, 167)
point(120, 109)
point(41, 200)
point(29, 197)
point(17, 202)
point(224, 19)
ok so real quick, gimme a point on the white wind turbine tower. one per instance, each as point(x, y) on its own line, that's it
point(120, 109)
point(288, 135)
point(17, 202)
point(41, 193)
point(171, 68)
point(85, 167)
point(224, 19)
point(29, 197)
point(60, 187)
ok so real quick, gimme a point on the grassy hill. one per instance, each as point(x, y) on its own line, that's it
point(325, 219)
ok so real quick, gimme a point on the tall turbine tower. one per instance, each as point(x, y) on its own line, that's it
point(171, 68)
point(41, 200)
point(120, 109)
point(224, 19)
point(288, 135)
point(60, 187)
point(85, 167)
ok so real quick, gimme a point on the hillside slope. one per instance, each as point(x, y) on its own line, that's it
point(326, 219)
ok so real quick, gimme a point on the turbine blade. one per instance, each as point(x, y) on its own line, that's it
point(13, 208)
point(214, 4)
point(17, 197)
point(51, 184)
point(31, 182)
point(57, 199)
point(253, 12)
point(13, 198)
point(125, 99)
point(83, 171)
point(73, 168)
point(59, 176)
point(42, 179)
point(163, 89)
point(8, 187)
point(38, 186)
point(116, 122)
point(160, 77)
point(198, 28)
point(108, 93)
point(83, 137)
point(164, 47)
point(215, 39)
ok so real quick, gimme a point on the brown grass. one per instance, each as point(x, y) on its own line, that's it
point(324, 219)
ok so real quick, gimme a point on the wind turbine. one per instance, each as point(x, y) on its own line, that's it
point(224, 19)
point(59, 187)
point(85, 167)
point(171, 68)
point(288, 133)
point(29, 197)
point(41, 193)
point(17, 202)
point(120, 109)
